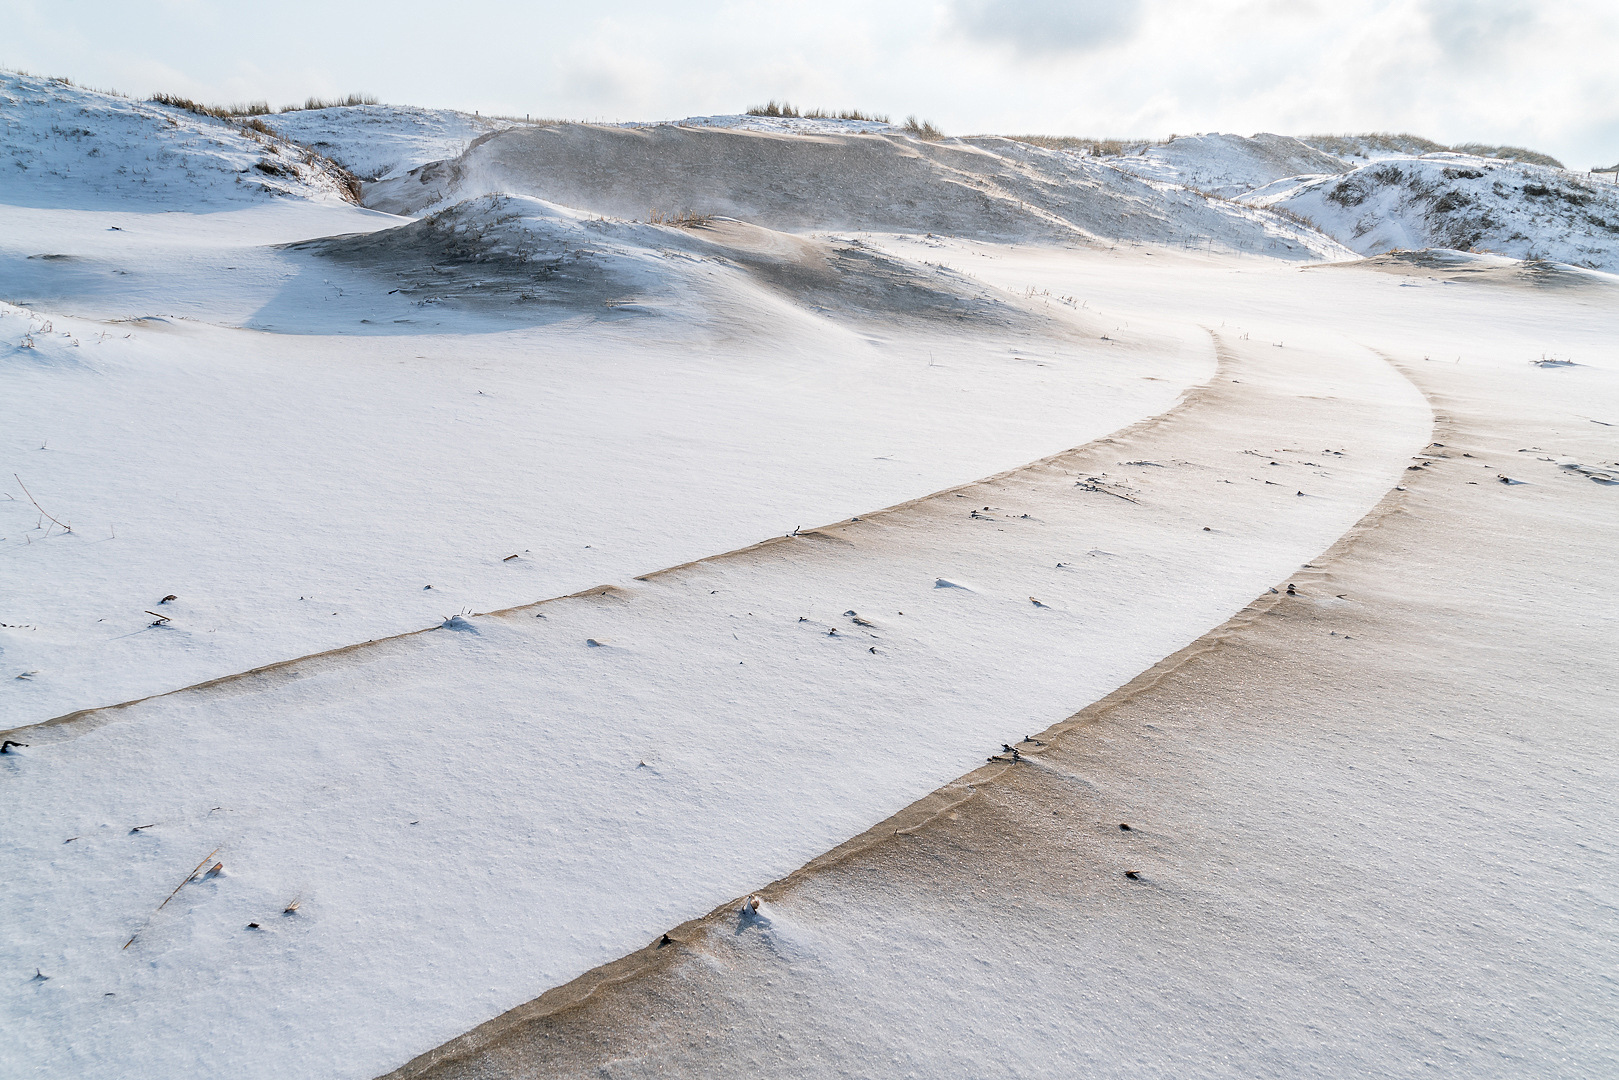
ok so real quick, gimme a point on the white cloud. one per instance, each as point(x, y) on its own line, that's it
point(1040, 27)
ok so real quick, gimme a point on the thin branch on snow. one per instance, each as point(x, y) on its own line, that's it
point(41, 509)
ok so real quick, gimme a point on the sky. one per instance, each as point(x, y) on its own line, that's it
point(1536, 73)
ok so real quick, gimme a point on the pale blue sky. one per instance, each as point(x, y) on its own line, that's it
point(1541, 74)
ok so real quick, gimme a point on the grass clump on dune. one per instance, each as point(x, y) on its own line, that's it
point(787, 109)
point(218, 112)
point(922, 129)
point(773, 108)
point(257, 108)
point(333, 103)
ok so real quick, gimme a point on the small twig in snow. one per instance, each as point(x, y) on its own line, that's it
point(177, 888)
point(35, 501)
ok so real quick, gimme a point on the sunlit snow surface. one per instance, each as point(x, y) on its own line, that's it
point(296, 429)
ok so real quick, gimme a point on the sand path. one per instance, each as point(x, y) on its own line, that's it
point(1369, 826)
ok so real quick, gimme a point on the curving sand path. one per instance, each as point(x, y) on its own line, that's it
point(1368, 833)
point(472, 816)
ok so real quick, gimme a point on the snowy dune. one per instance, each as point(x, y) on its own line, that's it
point(989, 187)
point(699, 415)
point(1229, 165)
point(608, 714)
point(72, 148)
point(375, 142)
point(1462, 203)
point(1365, 823)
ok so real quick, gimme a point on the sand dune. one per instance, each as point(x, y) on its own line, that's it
point(1354, 830)
point(984, 187)
point(510, 251)
point(248, 421)
point(735, 704)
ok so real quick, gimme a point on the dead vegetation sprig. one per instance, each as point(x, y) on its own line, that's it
point(922, 129)
point(41, 509)
point(184, 882)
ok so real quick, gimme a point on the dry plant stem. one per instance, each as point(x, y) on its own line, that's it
point(177, 888)
point(35, 501)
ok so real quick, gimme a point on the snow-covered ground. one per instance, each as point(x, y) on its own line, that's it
point(643, 407)
point(249, 421)
point(1462, 203)
point(986, 186)
point(1228, 165)
point(375, 142)
point(72, 148)
point(1364, 824)
point(601, 768)
point(784, 125)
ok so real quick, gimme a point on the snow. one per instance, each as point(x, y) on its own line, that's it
point(70, 148)
point(327, 430)
point(991, 187)
point(1463, 203)
point(1362, 825)
point(375, 142)
point(1228, 165)
point(383, 428)
point(785, 125)
point(569, 802)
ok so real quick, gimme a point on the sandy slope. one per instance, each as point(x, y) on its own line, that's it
point(1369, 825)
point(473, 815)
point(986, 186)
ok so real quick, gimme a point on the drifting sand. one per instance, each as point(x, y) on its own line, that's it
point(984, 187)
point(1422, 711)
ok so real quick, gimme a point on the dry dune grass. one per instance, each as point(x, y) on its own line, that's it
point(787, 109)
point(257, 108)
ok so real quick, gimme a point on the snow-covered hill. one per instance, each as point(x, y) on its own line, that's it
point(1229, 165)
point(1375, 146)
point(516, 253)
point(378, 141)
point(75, 148)
point(989, 187)
point(1462, 203)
